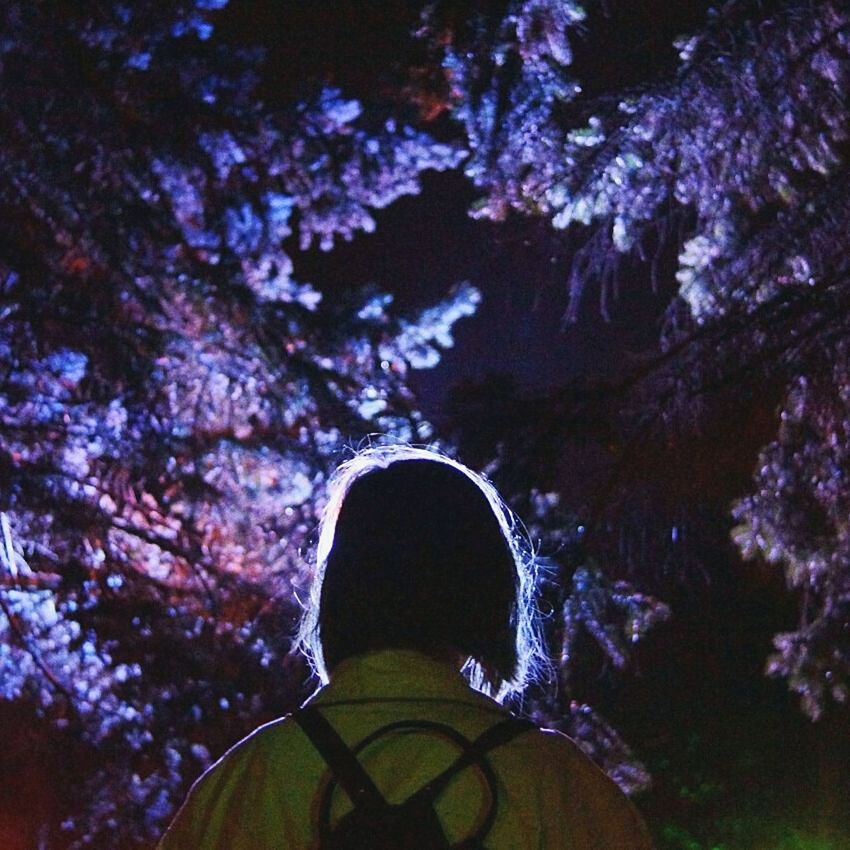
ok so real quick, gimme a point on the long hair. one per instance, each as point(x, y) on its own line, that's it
point(417, 551)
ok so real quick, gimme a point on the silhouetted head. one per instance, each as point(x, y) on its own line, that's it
point(418, 552)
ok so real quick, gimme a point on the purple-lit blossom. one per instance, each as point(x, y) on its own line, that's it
point(172, 396)
point(738, 162)
point(506, 91)
point(797, 518)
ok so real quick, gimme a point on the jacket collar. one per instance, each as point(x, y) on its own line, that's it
point(399, 674)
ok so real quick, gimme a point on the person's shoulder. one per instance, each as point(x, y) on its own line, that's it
point(552, 752)
point(550, 743)
point(260, 744)
point(589, 797)
point(267, 739)
point(271, 735)
point(230, 788)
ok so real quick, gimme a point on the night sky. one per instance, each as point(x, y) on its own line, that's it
point(424, 244)
point(728, 747)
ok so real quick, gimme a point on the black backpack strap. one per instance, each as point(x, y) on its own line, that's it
point(348, 772)
point(369, 803)
point(341, 760)
point(503, 732)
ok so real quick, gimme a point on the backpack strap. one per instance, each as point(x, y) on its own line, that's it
point(342, 761)
point(358, 785)
point(503, 732)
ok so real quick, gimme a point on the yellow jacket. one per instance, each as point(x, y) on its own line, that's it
point(263, 793)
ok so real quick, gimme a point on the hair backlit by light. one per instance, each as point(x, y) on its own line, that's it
point(523, 626)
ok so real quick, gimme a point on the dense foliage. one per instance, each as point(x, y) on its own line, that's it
point(173, 395)
point(739, 162)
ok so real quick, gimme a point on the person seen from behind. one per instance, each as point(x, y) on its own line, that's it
point(419, 625)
